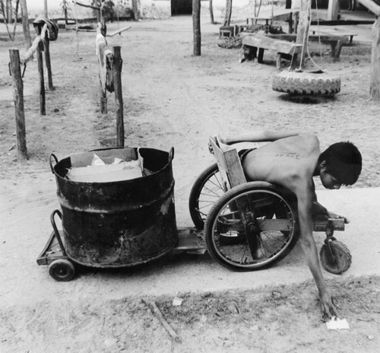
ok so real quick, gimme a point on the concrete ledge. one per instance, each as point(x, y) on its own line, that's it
point(25, 211)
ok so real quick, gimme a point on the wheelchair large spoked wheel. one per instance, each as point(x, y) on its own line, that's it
point(207, 189)
point(251, 227)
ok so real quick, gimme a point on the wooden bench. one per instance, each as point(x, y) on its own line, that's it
point(336, 42)
point(284, 49)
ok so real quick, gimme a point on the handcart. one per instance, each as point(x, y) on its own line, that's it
point(243, 225)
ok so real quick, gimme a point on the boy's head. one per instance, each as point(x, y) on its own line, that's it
point(343, 162)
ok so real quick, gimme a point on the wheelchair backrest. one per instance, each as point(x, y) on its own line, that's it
point(229, 164)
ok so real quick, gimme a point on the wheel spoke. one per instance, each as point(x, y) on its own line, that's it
point(216, 190)
point(218, 182)
point(213, 194)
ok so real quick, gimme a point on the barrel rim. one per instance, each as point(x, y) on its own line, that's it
point(170, 159)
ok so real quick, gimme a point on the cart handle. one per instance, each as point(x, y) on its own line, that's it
point(53, 156)
point(52, 220)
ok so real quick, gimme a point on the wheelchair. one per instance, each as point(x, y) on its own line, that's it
point(253, 225)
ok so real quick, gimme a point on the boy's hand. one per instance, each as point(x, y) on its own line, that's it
point(328, 307)
point(210, 149)
point(334, 215)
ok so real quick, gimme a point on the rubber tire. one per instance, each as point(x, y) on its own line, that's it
point(195, 193)
point(306, 83)
point(342, 254)
point(62, 270)
point(230, 194)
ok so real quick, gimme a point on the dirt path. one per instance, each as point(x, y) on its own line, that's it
point(279, 319)
point(171, 99)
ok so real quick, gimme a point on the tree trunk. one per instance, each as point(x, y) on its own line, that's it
point(211, 12)
point(374, 87)
point(136, 9)
point(303, 28)
point(9, 11)
point(197, 27)
point(375, 61)
point(227, 16)
point(25, 24)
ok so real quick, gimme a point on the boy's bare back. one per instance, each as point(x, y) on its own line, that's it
point(289, 162)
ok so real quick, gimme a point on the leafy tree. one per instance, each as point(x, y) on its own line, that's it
point(9, 11)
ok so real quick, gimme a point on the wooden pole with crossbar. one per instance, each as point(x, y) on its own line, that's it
point(18, 96)
point(116, 72)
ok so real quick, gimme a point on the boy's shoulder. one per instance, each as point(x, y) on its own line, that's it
point(304, 143)
point(307, 137)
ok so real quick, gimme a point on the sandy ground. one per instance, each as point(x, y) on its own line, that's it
point(171, 99)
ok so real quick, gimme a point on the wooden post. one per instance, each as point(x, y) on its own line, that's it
point(375, 61)
point(197, 27)
point(375, 55)
point(25, 24)
point(46, 9)
point(303, 28)
point(333, 10)
point(65, 12)
point(101, 45)
point(40, 65)
point(116, 72)
point(18, 88)
point(136, 9)
point(48, 63)
point(227, 17)
point(211, 8)
point(103, 98)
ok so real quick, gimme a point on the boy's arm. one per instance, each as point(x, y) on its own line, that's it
point(317, 211)
point(257, 136)
point(305, 199)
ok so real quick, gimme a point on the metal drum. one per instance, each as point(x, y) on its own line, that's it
point(122, 223)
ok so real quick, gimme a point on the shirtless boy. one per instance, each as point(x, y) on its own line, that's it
point(292, 160)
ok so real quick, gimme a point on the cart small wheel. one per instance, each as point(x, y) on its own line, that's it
point(338, 260)
point(62, 270)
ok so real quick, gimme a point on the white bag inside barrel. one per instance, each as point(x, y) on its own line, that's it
point(100, 172)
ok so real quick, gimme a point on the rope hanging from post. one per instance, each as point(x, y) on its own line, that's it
point(29, 53)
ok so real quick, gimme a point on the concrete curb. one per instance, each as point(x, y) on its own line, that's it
point(25, 229)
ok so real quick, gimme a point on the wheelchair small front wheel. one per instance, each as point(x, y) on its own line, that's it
point(207, 189)
point(260, 223)
point(335, 257)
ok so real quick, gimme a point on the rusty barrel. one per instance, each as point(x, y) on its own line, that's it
point(122, 223)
